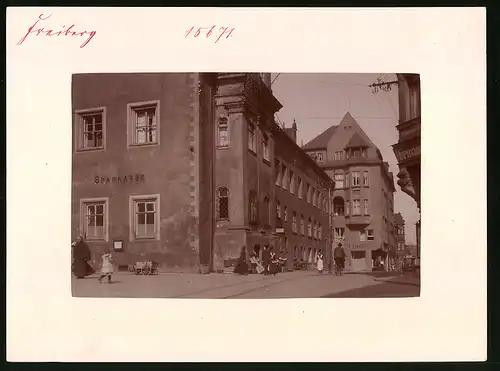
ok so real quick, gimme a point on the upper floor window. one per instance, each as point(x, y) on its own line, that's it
point(364, 153)
point(339, 233)
point(285, 214)
point(90, 128)
point(252, 143)
point(309, 227)
point(265, 148)
point(366, 180)
point(314, 196)
point(315, 230)
point(222, 133)
point(338, 155)
point(277, 170)
point(94, 218)
point(338, 206)
point(278, 210)
point(222, 203)
point(365, 207)
point(294, 222)
point(302, 227)
point(320, 157)
point(308, 194)
point(292, 181)
point(320, 232)
point(253, 209)
point(339, 180)
point(267, 211)
point(300, 188)
point(356, 207)
point(369, 235)
point(286, 179)
point(355, 178)
point(145, 216)
point(143, 123)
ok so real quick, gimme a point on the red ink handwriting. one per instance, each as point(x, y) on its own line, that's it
point(66, 31)
point(209, 31)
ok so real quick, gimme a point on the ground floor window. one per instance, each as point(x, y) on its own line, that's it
point(94, 218)
point(145, 217)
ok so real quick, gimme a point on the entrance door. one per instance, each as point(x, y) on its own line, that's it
point(358, 261)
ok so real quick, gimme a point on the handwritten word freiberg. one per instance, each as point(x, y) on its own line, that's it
point(207, 32)
point(50, 32)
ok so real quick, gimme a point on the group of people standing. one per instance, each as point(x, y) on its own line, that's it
point(269, 264)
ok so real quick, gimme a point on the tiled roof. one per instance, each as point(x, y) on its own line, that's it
point(321, 141)
point(356, 142)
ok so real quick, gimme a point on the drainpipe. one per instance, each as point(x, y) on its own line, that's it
point(329, 239)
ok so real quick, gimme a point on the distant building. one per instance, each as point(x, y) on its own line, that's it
point(363, 199)
point(268, 191)
point(399, 224)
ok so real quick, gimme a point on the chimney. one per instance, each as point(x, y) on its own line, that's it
point(292, 132)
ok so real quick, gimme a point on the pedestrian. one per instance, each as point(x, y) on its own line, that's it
point(265, 259)
point(106, 265)
point(339, 255)
point(81, 258)
point(242, 266)
point(319, 261)
point(273, 261)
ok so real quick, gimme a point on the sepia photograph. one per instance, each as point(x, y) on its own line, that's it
point(246, 185)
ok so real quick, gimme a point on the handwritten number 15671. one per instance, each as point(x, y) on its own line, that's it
point(209, 31)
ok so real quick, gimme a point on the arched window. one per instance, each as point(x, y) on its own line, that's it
point(302, 227)
point(294, 222)
point(253, 207)
point(222, 203)
point(222, 132)
point(338, 206)
point(309, 227)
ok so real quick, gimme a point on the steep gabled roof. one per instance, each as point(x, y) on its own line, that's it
point(398, 219)
point(321, 141)
point(356, 142)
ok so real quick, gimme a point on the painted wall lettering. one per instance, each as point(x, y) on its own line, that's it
point(125, 179)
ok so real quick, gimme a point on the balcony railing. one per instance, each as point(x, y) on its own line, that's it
point(357, 219)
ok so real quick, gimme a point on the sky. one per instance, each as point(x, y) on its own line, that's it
point(317, 101)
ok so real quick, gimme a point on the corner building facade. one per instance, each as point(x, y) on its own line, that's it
point(362, 203)
point(141, 180)
point(257, 165)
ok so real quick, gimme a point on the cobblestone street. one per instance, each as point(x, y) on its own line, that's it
point(298, 284)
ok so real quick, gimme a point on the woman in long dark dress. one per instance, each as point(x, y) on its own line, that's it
point(242, 266)
point(265, 260)
point(273, 262)
point(81, 257)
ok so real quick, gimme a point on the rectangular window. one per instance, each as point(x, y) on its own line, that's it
point(320, 157)
point(285, 177)
point(265, 148)
point(222, 132)
point(144, 217)
point(252, 144)
point(285, 214)
point(339, 181)
point(301, 191)
point(143, 119)
point(308, 194)
point(339, 233)
point(290, 181)
point(369, 235)
point(320, 232)
point(94, 219)
point(366, 182)
point(278, 210)
point(302, 227)
point(294, 223)
point(90, 129)
point(356, 207)
point(365, 207)
point(309, 228)
point(277, 169)
point(355, 178)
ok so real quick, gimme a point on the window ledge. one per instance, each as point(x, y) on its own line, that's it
point(252, 152)
point(267, 162)
point(96, 149)
point(223, 147)
point(135, 145)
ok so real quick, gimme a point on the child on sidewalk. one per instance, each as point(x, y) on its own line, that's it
point(106, 266)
